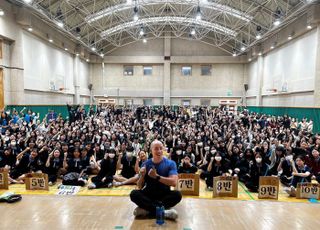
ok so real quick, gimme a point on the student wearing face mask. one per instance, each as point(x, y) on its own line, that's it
point(127, 165)
point(217, 167)
point(186, 166)
point(301, 173)
point(257, 168)
point(285, 169)
point(107, 169)
point(243, 166)
point(177, 155)
point(142, 157)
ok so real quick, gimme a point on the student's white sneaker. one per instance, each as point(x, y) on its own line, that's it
point(140, 212)
point(50, 183)
point(171, 214)
point(91, 186)
point(290, 190)
point(117, 184)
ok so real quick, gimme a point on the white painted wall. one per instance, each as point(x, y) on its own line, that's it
point(291, 66)
point(44, 64)
point(225, 78)
point(40, 62)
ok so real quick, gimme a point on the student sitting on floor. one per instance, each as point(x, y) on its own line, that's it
point(142, 157)
point(257, 168)
point(7, 158)
point(107, 170)
point(127, 165)
point(313, 162)
point(53, 165)
point(217, 167)
point(186, 166)
point(26, 163)
point(301, 173)
point(285, 169)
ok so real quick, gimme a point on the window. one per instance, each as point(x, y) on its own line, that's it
point(147, 70)
point(205, 102)
point(147, 102)
point(186, 102)
point(128, 70)
point(186, 70)
point(206, 70)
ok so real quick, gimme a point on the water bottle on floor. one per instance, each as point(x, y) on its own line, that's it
point(160, 214)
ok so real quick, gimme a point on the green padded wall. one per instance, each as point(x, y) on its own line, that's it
point(309, 113)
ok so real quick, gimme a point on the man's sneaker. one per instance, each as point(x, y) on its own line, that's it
point(91, 186)
point(50, 183)
point(140, 212)
point(171, 214)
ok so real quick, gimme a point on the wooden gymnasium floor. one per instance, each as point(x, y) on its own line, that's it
point(111, 209)
point(107, 212)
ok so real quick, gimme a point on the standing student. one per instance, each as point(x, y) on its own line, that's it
point(156, 176)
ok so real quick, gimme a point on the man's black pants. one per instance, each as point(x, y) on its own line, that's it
point(149, 201)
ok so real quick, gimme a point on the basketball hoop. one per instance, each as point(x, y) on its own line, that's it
point(272, 90)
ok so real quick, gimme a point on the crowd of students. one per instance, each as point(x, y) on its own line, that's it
point(209, 141)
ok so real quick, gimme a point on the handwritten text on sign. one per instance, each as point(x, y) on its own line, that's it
point(68, 190)
point(224, 186)
point(308, 190)
point(268, 191)
point(186, 184)
point(37, 183)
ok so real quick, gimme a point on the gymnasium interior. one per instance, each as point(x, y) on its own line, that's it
point(231, 88)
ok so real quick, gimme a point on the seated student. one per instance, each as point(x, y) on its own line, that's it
point(257, 168)
point(186, 166)
point(301, 173)
point(218, 166)
point(243, 166)
point(285, 169)
point(107, 170)
point(127, 165)
point(26, 163)
point(7, 158)
point(142, 157)
point(177, 155)
point(75, 171)
point(53, 165)
point(313, 162)
point(275, 160)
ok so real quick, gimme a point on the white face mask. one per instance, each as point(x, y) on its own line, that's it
point(206, 148)
point(178, 152)
point(289, 157)
point(13, 143)
point(218, 158)
point(258, 160)
point(111, 155)
point(213, 151)
point(129, 154)
point(200, 144)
